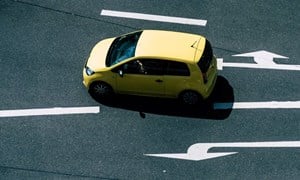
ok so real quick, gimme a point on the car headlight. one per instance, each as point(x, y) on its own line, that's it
point(89, 71)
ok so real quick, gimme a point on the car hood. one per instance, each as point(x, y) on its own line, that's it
point(97, 58)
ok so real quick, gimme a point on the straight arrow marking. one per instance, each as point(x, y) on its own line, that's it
point(221, 65)
point(263, 60)
point(262, 57)
point(199, 151)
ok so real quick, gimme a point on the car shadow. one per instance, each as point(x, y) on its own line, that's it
point(223, 92)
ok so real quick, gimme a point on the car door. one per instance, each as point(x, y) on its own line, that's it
point(142, 77)
point(177, 78)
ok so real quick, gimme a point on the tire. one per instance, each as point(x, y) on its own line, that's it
point(189, 97)
point(101, 90)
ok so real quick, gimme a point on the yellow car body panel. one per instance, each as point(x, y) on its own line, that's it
point(169, 44)
point(97, 57)
point(160, 45)
point(135, 84)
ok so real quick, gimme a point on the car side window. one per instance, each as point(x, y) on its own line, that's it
point(153, 66)
point(133, 67)
point(177, 69)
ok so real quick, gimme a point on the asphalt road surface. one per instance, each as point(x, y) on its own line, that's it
point(44, 45)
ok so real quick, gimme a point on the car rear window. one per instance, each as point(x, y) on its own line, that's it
point(206, 57)
point(177, 69)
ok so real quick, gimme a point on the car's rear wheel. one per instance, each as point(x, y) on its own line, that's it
point(190, 97)
point(101, 90)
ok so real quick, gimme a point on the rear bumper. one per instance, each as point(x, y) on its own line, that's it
point(211, 87)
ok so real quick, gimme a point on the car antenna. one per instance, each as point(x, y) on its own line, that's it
point(195, 47)
point(194, 44)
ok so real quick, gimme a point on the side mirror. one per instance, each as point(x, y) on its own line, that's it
point(120, 72)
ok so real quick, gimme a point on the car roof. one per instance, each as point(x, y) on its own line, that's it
point(179, 46)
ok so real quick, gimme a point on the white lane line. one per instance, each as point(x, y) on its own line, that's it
point(150, 17)
point(221, 65)
point(259, 105)
point(258, 66)
point(50, 111)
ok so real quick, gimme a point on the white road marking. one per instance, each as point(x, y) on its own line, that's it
point(259, 105)
point(150, 17)
point(263, 60)
point(199, 151)
point(49, 111)
point(262, 57)
point(258, 66)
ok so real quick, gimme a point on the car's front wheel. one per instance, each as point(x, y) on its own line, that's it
point(189, 97)
point(101, 90)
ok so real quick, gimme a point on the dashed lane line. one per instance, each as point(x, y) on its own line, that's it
point(50, 111)
point(96, 109)
point(150, 17)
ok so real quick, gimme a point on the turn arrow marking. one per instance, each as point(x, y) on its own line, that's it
point(199, 151)
point(263, 60)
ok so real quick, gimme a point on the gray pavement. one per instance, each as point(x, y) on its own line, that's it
point(43, 47)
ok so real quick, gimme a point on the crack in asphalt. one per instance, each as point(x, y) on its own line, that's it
point(96, 19)
point(73, 14)
point(4, 170)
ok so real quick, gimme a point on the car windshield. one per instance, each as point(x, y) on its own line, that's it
point(122, 48)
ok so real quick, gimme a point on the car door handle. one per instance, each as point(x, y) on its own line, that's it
point(158, 80)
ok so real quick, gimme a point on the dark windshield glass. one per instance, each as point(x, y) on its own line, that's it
point(122, 48)
point(206, 57)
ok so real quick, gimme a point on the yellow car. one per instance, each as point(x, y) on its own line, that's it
point(152, 63)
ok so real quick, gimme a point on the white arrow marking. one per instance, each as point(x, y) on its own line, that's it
point(259, 105)
point(150, 17)
point(263, 59)
point(49, 111)
point(199, 151)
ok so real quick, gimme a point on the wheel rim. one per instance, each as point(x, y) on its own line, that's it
point(190, 98)
point(101, 89)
